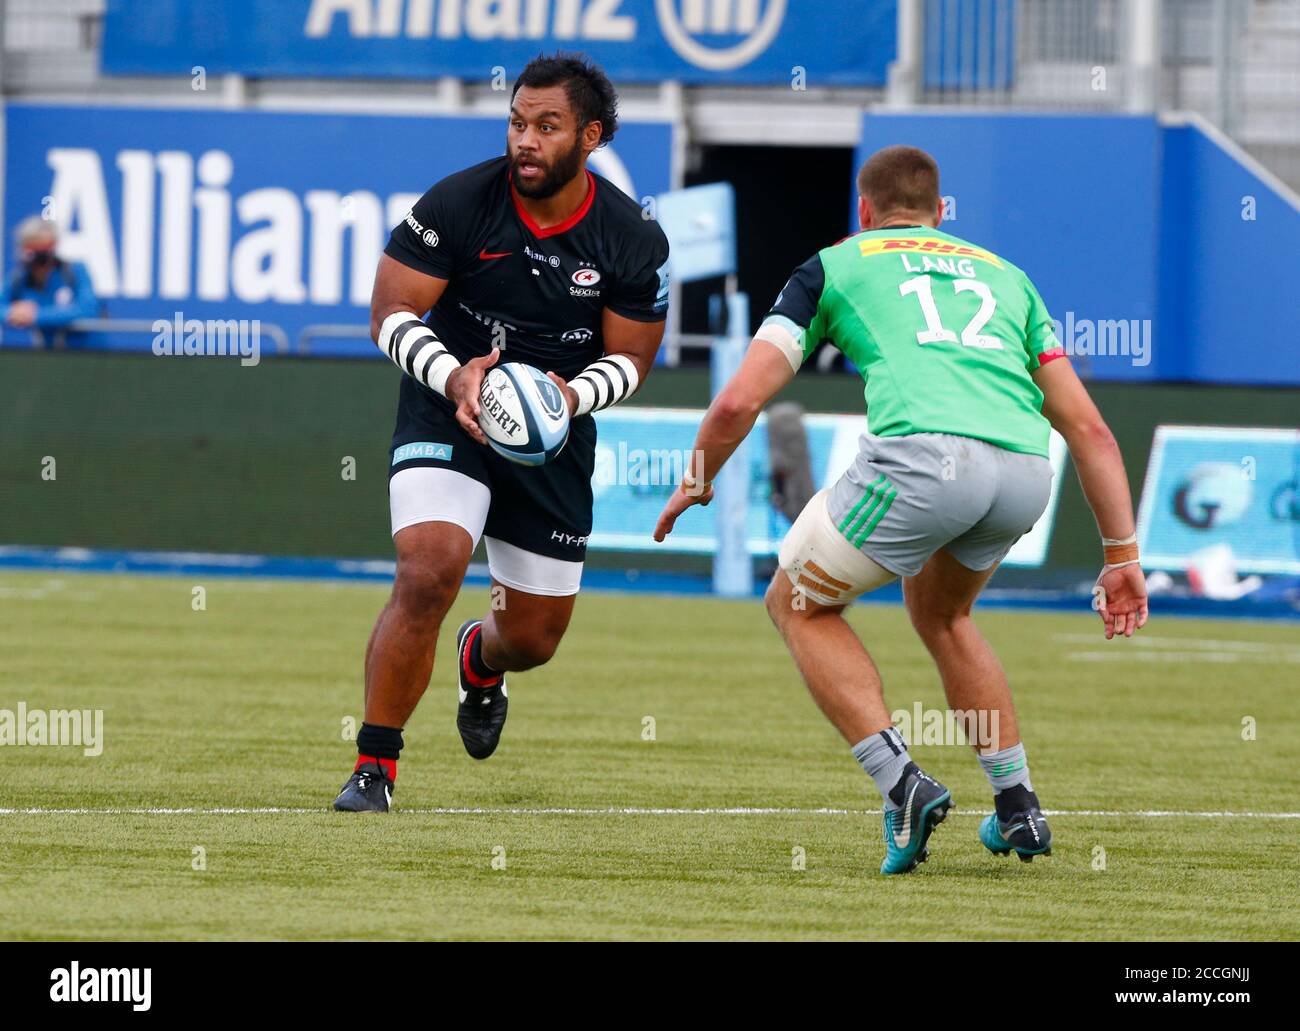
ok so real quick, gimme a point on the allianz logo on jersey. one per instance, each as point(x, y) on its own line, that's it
point(545, 259)
point(702, 32)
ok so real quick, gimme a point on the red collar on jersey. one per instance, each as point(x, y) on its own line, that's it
point(561, 227)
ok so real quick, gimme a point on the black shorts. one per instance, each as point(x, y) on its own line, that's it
point(543, 509)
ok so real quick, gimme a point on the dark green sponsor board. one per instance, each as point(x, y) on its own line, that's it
point(289, 457)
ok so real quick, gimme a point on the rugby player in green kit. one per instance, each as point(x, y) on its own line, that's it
point(964, 379)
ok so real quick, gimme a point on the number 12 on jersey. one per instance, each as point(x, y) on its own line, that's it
point(935, 332)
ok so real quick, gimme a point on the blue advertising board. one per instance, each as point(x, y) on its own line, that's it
point(279, 217)
point(640, 456)
point(700, 222)
point(1209, 485)
point(835, 42)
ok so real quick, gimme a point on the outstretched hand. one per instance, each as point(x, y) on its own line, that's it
point(1120, 598)
point(677, 504)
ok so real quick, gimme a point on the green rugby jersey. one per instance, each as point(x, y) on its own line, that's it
point(945, 334)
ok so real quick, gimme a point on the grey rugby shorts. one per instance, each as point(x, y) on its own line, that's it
point(905, 497)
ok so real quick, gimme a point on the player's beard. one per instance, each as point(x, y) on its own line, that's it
point(555, 176)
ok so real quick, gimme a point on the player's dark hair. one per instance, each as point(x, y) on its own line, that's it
point(900, 178)
point(591, 94)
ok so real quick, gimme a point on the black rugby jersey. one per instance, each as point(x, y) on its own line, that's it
point(544, 288)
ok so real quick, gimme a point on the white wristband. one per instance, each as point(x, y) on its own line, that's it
point(586, 395)
point(605, 382)
point(415, 350)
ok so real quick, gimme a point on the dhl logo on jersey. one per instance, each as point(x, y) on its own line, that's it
point(926, 245)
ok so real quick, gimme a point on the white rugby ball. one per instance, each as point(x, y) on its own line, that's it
point(524, 416)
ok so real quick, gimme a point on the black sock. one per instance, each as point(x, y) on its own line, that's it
point(1012, 800)
point(476, 664)
point(380, 742)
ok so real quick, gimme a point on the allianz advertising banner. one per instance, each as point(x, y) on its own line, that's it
point(1208, 486)
point(834, 42)
point(640, 456)
point(222, 215)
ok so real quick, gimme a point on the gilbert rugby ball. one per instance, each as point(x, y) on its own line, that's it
point(524, 416)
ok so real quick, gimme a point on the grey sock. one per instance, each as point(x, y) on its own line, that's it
point(1007, 768)
point(883, 756)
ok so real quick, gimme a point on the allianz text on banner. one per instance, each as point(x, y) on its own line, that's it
point(835, 42)
point(252, 215)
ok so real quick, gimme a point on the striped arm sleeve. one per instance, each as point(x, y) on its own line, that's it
point(605, 382)
point(415, 350)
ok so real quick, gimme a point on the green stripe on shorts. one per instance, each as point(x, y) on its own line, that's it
point(880, 492)
point(877, 496)
point(881, 509)
point(852, 514)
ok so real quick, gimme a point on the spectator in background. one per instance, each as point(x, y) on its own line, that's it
point(44, 294)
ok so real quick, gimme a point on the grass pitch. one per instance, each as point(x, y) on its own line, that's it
point(243, 706)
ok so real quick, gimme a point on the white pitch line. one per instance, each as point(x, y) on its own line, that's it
point(623, 811)
point(1271, 658)
point(1188, 643)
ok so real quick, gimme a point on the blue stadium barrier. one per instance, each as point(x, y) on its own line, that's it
point(1281, 605)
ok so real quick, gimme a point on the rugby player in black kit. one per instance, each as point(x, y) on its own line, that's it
point(531, 258)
